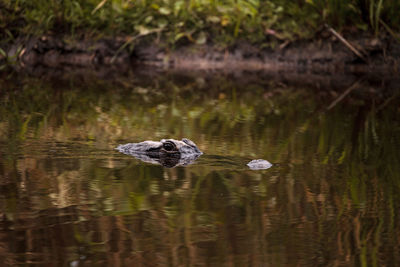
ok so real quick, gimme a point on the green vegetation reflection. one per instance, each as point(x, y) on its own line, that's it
point(334, 188)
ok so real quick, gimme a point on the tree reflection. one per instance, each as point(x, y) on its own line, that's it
point(67, 197)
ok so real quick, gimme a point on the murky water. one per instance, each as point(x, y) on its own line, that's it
point(68, 198)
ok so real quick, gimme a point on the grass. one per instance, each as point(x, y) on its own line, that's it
point(195, 21)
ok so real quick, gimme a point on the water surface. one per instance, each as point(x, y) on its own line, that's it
point(68, 198)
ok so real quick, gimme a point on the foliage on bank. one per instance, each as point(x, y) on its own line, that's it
point(196, 21)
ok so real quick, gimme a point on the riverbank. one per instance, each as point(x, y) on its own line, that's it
point(327, 53)
point(250, 35)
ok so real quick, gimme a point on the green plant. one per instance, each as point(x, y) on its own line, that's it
point(194, 21)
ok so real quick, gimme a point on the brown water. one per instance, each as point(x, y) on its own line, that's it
point(331, 198)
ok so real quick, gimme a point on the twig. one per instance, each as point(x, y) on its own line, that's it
point(346, 43)
point(132, 39)
point(391, 32)
point(345, 93)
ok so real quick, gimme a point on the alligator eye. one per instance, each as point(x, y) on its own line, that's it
point(168, 146)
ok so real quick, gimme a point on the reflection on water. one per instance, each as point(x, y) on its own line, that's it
point(67, 198)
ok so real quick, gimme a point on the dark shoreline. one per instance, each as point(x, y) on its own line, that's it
point(323, 55)
point(123, 74)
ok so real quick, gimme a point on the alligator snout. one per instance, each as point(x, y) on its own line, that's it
point(167, 152)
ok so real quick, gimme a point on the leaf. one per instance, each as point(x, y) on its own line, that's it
point(377, 15)
point(155, 6)
point(3, 53)
point(100, 5)
point(213, 19)
point(178, 7)
point(179, 36)
point(9, 34)
point(225, 21)
point(164, 11)
point(148, 19)
point(162, 23)
point(142, 29)
point(201, 38)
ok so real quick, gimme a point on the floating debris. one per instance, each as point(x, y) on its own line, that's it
point(259, 164)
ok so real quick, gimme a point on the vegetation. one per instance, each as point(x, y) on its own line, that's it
point(195, 21)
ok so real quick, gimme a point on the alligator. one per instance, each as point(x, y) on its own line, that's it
point(167, 152)
point(170, 153)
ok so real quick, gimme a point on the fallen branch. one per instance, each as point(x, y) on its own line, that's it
point(346, 43)
point(389, 30)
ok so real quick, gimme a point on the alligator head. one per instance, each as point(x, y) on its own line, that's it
point(167, 152)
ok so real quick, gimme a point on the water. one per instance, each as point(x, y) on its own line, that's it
point(68, 198)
